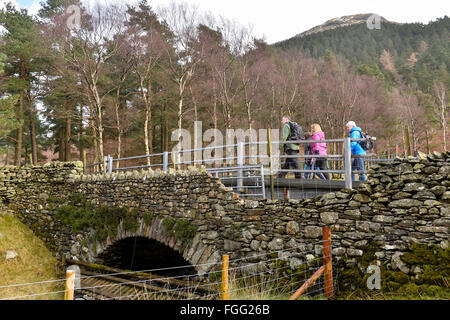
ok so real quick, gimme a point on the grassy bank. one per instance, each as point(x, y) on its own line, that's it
point(33, 264)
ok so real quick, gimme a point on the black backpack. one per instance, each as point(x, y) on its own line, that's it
point(296, 131)
point(368, 143)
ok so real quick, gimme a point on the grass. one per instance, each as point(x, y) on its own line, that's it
point(267, 287)
point(378, 295)
point(33, 264)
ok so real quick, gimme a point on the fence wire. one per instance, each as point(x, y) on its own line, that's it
point(270, 275)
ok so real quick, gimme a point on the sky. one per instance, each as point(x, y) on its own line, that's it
point(277, 20)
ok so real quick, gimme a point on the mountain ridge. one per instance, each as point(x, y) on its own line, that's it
point(342, 21)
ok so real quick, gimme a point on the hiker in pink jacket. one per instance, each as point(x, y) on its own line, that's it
point(319, 148)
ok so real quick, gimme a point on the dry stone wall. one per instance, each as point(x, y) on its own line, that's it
point(402, 203)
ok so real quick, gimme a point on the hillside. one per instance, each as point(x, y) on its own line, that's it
point(421, 52)
point(339, 22)
point(33, 263)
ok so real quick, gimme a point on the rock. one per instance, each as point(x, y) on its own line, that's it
point(439, 190)
point(310, 259)
point(404, 203)
point(417, 270)
point(292, 228)
point(384, 219)
point(361, 197)
point(410, 187)
point(401, 195)
point(446, 196)
point(424, 195)
point(363, 226)
point(247, 235)
point(338, 251)
point(255, 245)
point(230, 245)
point(211, 235)
point(329, 217)
point(352, 214)
point(276, 244)
point(313, 232)
point(294, 263)
point(354, 252)
point(11, 254)
point(421, 155)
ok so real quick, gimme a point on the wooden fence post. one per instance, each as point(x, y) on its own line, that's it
point(327, 261)
point(225, 265)
point(70, 285)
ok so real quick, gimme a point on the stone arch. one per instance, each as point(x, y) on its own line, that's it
point(201, 256)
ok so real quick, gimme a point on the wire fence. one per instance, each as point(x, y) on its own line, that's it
point(271, 275)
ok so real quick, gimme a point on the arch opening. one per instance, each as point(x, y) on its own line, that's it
point(143, 254)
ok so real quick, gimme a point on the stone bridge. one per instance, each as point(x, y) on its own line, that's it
point(80, 216)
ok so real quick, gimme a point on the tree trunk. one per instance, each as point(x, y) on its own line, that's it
point(119, 135)
point(165, 128)
point(33, 143)
point(94, 140)
point(68, 132)
point(18, 147)
point(215, 108)
point(62, 145)
point(80, 135)
point(148, 136)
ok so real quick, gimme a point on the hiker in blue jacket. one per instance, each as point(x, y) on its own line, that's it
point(357, 163)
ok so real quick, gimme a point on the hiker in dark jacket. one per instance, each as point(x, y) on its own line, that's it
point(357, 163)
point(290, 149)
point(307, 136)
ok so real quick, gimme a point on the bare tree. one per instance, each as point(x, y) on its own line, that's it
point(147, 43)
point(87, 51)
point(441, 107)
point(182, 19)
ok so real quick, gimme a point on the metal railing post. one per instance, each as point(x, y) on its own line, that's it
point(263, 182)
point(240, 163)
point(269, 145)
point(109, 164)
point(348, 163)
point(165, 161)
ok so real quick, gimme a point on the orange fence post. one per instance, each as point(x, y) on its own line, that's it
point(327, 261)
point(326, 269)
point(225, 266)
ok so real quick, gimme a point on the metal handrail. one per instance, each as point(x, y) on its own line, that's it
point(239, 150)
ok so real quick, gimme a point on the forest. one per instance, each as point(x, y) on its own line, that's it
point(117, 80)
